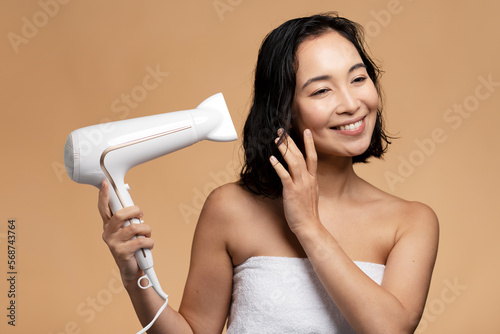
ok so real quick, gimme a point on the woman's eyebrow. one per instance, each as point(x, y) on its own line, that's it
point(356, 66)
point(318, 78)
point(328, 77)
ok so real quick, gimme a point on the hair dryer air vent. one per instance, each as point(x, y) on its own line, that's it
point(69, 157)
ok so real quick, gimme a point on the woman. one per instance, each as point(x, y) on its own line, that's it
point(301, 244)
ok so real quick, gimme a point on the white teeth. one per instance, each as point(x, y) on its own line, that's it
point(352, 126)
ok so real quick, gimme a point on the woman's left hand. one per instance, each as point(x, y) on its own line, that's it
point(300, 187)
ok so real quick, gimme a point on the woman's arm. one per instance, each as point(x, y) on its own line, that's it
point(207, 294)
point(397, 305)
point(208, 289)
point(394, 307)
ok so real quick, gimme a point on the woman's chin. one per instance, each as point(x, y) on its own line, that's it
point(356, 150)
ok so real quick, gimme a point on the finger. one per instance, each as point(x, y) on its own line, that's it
point(292, 155)
point(103, 203)
point(115, 231)
point(146, 243)
point(287, 144)
point(130, 247)
point(310, 150)
point(135, 230)
point(121, 216)
point(280, 170)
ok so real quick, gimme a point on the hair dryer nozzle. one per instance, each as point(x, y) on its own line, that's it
point(212, 116)
point(69, 157)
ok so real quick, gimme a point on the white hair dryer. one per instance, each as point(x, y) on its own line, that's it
point(107, 151)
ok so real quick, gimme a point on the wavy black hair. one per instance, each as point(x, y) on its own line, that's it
point(274, 89)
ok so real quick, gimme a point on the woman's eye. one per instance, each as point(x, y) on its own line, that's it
point(359, 79)
point(320, 92)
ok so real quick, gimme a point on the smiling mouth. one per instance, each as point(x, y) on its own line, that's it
point(349, 127)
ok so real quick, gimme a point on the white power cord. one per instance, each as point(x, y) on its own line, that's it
point(150, 275)
point(156, 317)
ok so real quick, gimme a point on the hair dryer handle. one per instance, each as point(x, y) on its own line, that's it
point(120, 199)
point(144, 256)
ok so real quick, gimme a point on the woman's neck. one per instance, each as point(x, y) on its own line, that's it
point(336, 177)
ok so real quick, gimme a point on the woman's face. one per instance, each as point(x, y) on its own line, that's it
point(334, 96)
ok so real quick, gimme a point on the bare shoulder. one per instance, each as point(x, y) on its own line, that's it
point(215, 227)
point(420, 223)
point(401, 209)
point(419, 213)
point(409, 216)
point(416, 216)
point(229, 200)
point(227, 207)
point(229, 190)
point(248, 224)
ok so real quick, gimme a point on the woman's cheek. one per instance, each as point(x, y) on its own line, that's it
point(308, 115)
point(373, 97)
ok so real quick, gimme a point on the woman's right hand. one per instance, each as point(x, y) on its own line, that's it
point(119, 238)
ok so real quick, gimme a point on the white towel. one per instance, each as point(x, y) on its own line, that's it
point(282, 295)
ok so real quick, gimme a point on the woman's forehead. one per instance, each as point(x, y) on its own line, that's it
point(330, 51)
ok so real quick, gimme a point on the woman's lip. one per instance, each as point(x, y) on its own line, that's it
point(350, 132)
point(352, 121)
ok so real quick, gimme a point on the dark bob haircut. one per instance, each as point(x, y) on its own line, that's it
point(274, 89)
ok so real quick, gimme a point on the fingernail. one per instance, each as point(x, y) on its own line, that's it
point(307, 133)
point(280, 131)
point(273, 159)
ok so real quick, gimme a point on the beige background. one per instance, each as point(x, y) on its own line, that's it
point(68, 64)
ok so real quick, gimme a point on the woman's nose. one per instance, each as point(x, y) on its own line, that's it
point(348, 102)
